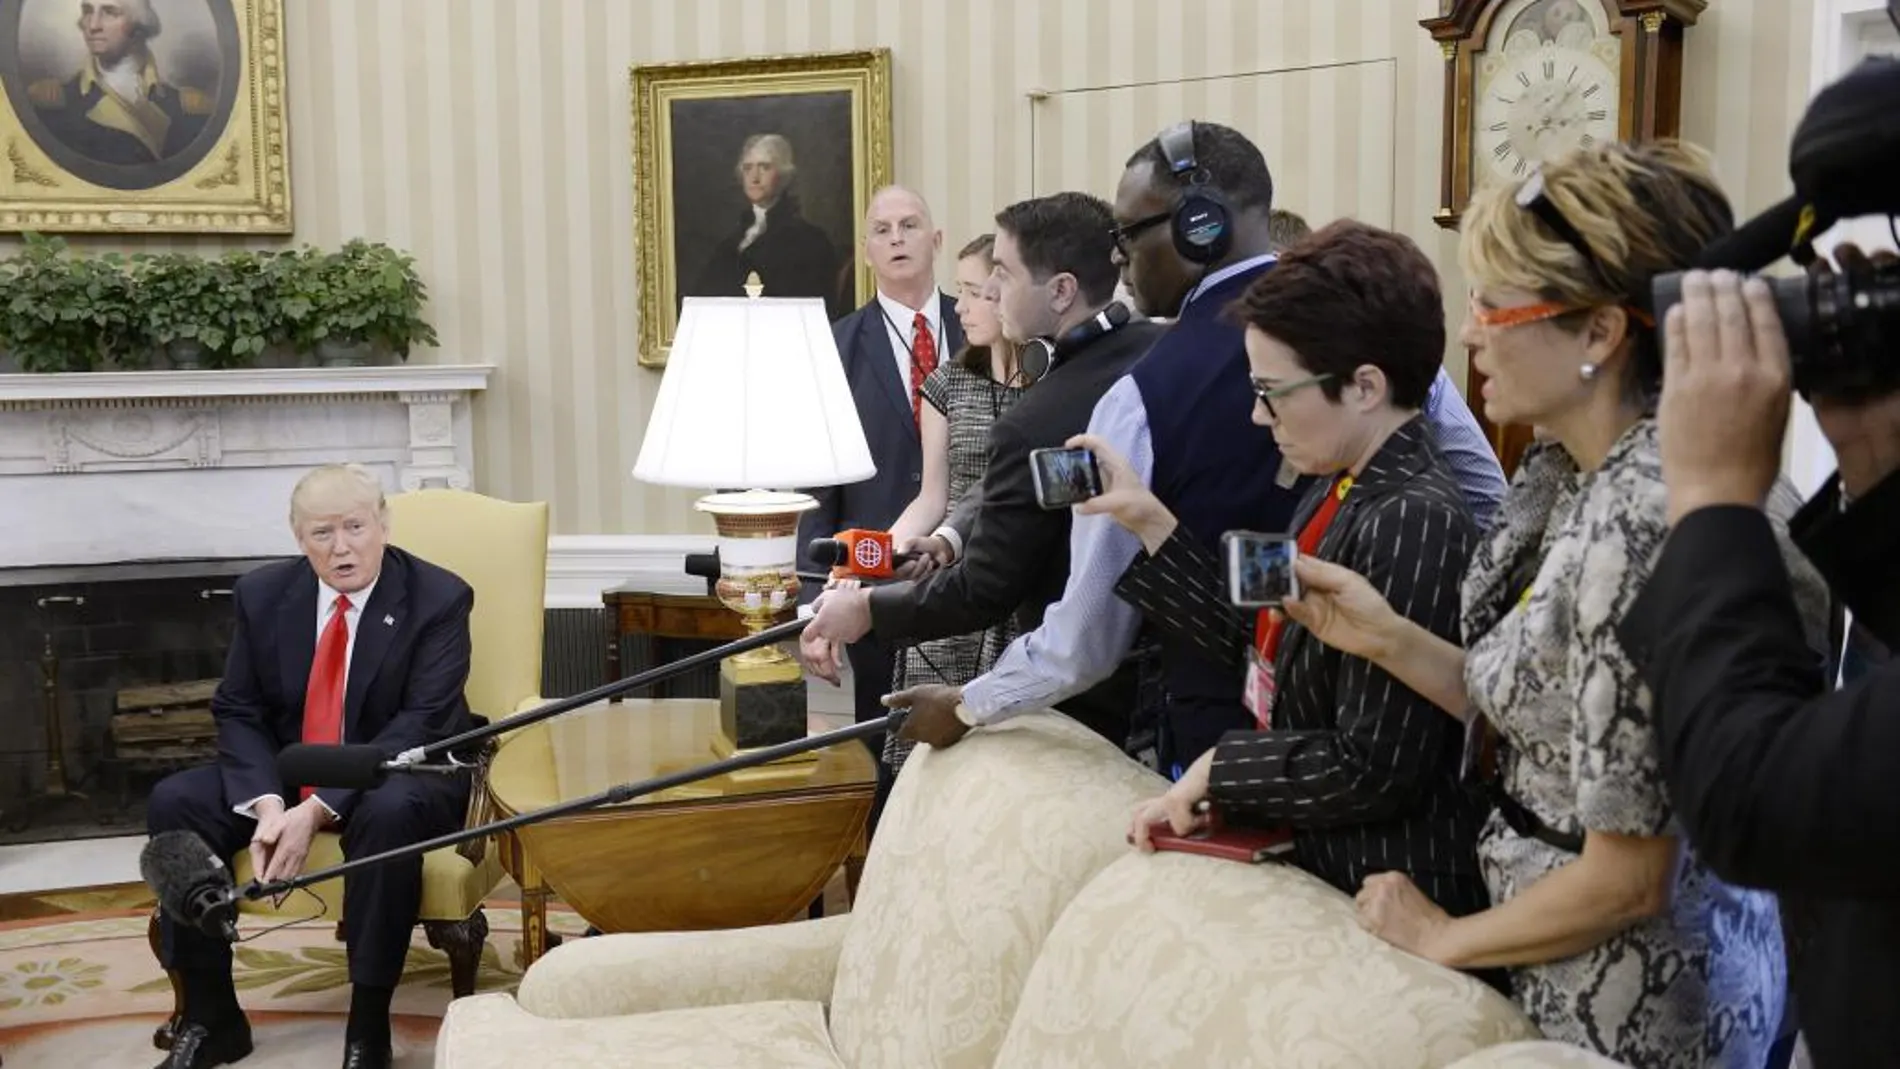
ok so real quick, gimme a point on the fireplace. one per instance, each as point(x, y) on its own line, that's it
point(72, 653)
point(129, 504)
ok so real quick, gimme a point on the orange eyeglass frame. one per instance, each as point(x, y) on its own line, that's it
point(1533, 313)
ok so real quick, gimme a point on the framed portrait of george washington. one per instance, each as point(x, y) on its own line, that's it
point(759, 166)
point(143, 115)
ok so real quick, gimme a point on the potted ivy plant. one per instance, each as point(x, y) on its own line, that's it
point(172, 289)
point(350, 304)
point(241, 308)
point(68, 313)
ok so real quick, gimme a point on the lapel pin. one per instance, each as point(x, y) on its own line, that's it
point(389, 621)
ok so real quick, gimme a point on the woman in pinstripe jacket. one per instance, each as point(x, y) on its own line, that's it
point(1345, 337)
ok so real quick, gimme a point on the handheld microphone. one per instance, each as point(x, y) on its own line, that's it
point(859, 554)
point(192, 883)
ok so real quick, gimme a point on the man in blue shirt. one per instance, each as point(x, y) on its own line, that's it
point(1183, 418)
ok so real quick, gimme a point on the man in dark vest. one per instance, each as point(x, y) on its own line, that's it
point(1192, 232)
point(1054, 278)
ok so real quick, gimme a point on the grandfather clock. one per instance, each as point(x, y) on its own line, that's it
point(1528, 80)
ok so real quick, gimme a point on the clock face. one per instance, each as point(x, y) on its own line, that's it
point(1546, 84)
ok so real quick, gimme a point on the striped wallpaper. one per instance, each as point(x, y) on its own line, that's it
point(491, 138)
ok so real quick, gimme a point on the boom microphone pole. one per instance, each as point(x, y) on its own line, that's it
point(410, 759)
point(611, 796)
point(195, 889)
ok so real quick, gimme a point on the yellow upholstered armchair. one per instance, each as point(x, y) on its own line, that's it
point(500, 548)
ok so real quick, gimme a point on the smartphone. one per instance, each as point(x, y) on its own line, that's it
point(1064, 477)
point(1260, 568)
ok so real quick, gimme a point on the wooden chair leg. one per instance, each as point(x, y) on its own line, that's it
point(162, 1037)
point(462, 941)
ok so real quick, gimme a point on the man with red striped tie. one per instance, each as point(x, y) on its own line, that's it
point(355, 642)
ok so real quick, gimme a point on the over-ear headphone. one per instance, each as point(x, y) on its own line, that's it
point(1041, 355)
point(1203, 225)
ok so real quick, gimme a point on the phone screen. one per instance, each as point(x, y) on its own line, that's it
point(1064, 477)
point(1260, 569)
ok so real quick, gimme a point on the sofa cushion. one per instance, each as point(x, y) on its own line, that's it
point(637, 972)
point(979, 848)
point(494, 1032)
point(1536, 1054)
point(1174, 959)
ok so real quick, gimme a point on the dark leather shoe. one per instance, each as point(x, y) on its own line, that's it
point(199, 1047)
point(361, 1055)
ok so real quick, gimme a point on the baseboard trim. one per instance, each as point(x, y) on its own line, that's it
point(580, 567)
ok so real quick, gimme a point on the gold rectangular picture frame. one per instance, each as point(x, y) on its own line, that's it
point(193, 139)
point(737, 103)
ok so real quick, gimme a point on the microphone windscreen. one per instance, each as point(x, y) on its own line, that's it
point(175, 865)
point(304, 764)
point(828, 552)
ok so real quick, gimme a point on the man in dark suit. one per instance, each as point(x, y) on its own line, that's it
point(1054, 279)
point(355, 642)
point(1781, 782)
point(116, 109)
point(792, 255)
point(888, 348)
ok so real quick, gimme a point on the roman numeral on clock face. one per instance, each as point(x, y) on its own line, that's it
point(1550, 69)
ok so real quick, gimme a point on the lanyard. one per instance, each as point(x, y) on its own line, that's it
point(1268, 626)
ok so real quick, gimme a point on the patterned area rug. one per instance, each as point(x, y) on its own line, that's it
point(84, 990)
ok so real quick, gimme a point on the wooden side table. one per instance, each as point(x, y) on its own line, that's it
point(647, 629)
point(736, 851)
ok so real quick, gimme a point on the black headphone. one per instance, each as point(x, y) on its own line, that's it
point(1040, 355)
point(1203, 225)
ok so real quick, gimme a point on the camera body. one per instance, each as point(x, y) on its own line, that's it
point(1842, 328)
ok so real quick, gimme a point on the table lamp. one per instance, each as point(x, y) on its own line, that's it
point(754, 395)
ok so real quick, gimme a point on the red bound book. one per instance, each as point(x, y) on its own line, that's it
point(1216, 839)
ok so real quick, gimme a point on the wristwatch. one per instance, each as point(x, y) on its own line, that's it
point(964, 714)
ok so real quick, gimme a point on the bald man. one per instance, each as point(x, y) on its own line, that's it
point(888, 347)
point(116, 109)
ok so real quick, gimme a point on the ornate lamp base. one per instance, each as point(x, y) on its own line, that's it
point(762, 700)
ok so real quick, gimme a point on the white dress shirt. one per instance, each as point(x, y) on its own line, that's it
point(900, 323)
point(758, 227)
point(326, 602)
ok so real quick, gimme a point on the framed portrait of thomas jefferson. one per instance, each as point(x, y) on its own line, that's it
point(143, 115)
point(760, 166)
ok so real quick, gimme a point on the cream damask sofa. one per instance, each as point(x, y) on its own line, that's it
point(1003, 920)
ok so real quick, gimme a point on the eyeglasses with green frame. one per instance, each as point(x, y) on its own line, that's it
point(1265, 392)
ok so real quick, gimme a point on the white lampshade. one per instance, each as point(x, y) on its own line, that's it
point(754, 396)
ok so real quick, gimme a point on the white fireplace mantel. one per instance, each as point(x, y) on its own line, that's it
point(113, 467)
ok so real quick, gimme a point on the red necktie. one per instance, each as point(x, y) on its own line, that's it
point(323, 695)
point(923, 361)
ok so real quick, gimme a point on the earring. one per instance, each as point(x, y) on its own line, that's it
point(1588, 372)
